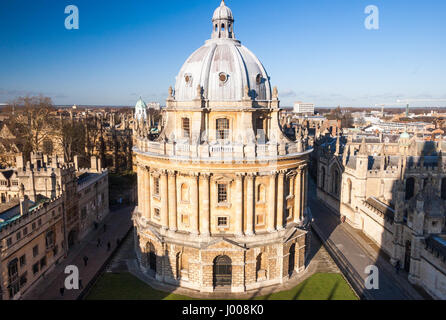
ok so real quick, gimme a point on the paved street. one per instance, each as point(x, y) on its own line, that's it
point(359, 253)
point(118, 224)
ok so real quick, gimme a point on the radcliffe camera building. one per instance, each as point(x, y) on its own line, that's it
point(222, 191)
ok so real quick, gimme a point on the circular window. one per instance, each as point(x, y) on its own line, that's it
point(259, 79)
point(223, 77)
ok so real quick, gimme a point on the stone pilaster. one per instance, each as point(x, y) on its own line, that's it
point(249, 205)
point(271, 202)
point(172, 181)
point(205, 209)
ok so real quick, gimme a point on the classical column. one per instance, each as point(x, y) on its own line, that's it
point(146, 193)
point(172, 200)
point(272, 202)
point(280, 199)
point(205, 210)
point(194, 201)
point(250, 205)
point(297, 195)
point(239, 204)
point(164, 202)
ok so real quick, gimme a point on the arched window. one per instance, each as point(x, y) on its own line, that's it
point(222, 271)
point(185, 126)
point(222, 129)
point(184, 193)
point(349, 191)
point(323, 178)
point(261, 193)
point(291, 260)
point(410, 188)
point(443, 189)
point(222, 27)
point(216, 27)
point(335, 182)
point(151, 256)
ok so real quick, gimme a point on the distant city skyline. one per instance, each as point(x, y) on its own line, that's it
point(318, 52)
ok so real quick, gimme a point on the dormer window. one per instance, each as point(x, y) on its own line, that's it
point(259, 79)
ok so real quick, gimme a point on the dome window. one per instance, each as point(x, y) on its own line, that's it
point(223, 77)
point(188, 80)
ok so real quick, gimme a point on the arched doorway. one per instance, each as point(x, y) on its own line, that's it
point(151, 257)
point(222, 271)
point(291, 260)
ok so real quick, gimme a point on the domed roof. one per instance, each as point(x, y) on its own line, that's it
point(222, 67)
point(404, 135)
point(140, 105)
point(222, 12)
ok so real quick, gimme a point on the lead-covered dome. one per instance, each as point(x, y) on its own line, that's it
point(222, 12)
point(223, 67)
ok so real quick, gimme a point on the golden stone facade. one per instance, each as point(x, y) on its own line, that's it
point(222, 191)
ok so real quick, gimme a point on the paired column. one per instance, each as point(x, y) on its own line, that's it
point(239, 205)
point(164, 202)
point(194, 202)
point(297, 195)
point(271, 202)
point(249, 205)
point(280, 200)
point(172, 181)
point(304, 192)
point(205, 209)
point(140, 180)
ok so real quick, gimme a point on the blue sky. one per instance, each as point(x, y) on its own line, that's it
point(315, 51)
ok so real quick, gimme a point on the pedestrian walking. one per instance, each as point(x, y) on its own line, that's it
point(62, 290)
point(85, 261)
point(99, 242)
point(108, 246)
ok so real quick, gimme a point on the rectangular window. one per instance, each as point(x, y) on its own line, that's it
point(156, 186)
point(9, 242)
point(84, 213)
point(39, 223)
point(43, 263)
point(23, 280)
point(35, 268)
point(222, 129)
point(157, 212)
point(25, 231)
point(186, 127)
point(185, 219)
point(260, 220)
point(19, 236)
point(23, 261)
point(34, 226)
point(222, 193)
point(222, 221)
point(36, 251)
